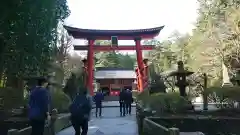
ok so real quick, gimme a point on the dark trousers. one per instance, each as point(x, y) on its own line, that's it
point(122, 108)
point(129, 108)
point(37, 127)
point(98, 110)
point(79, 124)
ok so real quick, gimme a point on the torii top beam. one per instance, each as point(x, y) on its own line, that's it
point(79, 33)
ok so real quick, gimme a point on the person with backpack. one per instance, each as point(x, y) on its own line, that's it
point(80, 110)
point(39, 105)
point(98, 98)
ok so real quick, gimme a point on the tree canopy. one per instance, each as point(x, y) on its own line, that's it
point(113, 59)
point(29, 36)
point(214, 41)
point(28, 31)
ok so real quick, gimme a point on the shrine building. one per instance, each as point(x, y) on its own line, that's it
point(112, 80)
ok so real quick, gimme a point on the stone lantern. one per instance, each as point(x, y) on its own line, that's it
point(180, 76)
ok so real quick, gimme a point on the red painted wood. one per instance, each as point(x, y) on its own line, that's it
point(140, 62)
point(146, 36)
point(145, 78)
point(85, 33)
point(90, 62)
point(111, 48)
point(125, 82)
point(139, 84)
point(122, 35)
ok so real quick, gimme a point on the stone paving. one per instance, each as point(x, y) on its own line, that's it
point(191, 133)
point(112, 104)
point(110, 124)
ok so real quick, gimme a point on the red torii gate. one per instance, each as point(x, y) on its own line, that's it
point(137, 35)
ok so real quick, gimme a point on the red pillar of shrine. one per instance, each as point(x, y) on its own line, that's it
point(90, 64)
point(145, 62)
point(139, 61)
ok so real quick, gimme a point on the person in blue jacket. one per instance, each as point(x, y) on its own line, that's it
point(98, 98)
point(39, 102)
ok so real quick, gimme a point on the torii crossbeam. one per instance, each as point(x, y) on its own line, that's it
point(93, 34)
point(112, 48)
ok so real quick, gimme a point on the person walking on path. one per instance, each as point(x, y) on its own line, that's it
point(98, 98)
point(129, 101)
point(80, 110)
point(122, 100)
point(39, 102)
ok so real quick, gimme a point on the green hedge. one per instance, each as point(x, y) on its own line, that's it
point(152, 128)
point(164, 103)
point(225, 96)
point(159, 104)
point(60, 101)
point(61, 123)
point(230, 92)
point(206, 125)
point(10, 98)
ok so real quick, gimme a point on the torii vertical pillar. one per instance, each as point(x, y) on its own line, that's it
point(90, 63)
point(146, 74)
point(139, 61)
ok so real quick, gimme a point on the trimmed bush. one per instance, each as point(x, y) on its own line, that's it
point(225, 96)
point(60, 101)
point(206, 125)
point(10, 98)
point(135, 93)
point(143, 96)
point(164, 103)
point(61, 123)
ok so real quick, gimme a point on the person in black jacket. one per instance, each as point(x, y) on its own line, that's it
point(98, 99)
point(80, 112)
point(122, 99)
point(129, 101)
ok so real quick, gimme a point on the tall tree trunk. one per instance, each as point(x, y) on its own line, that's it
point(2, 46)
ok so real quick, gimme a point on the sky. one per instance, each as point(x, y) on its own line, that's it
point(175, 15)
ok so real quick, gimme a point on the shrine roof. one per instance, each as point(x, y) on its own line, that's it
point(114, 73)
point(83, 33)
